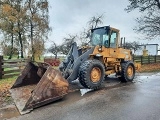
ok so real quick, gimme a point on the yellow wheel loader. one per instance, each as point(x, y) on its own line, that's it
point(40, 84)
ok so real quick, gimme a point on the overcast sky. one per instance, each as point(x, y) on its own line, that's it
point(71, 16)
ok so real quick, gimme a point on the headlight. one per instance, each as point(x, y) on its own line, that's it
point(100, 49)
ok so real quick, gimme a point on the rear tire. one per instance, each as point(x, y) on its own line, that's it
point(128, 71)
point(91, 74)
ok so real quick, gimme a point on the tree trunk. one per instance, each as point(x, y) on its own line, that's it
point(21, 44)
point(11, 52)
point(56, 56)
point(31, 32)
point(20, 40)
point(33, 52)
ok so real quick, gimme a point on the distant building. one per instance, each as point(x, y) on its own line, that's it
point(151, 49)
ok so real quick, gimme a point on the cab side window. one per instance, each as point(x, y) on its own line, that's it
point(106, 40)
point(113, 39)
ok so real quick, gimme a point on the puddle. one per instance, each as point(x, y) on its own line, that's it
point(8, 112)
point(157, 74)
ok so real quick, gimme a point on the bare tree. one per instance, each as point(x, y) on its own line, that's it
point(54, 49)
point(65, 47)
point(149, 22)
point(94, 22)
point(132, 45)
point(83, 37)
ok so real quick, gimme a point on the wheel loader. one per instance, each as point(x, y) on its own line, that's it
point(39, 83)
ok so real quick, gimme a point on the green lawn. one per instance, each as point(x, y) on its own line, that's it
point(8, 80)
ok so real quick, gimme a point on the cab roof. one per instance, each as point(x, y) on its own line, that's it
point(106, 27)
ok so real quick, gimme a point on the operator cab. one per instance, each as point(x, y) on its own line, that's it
point(104, 36)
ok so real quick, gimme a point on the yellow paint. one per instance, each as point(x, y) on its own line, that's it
point(111, 57)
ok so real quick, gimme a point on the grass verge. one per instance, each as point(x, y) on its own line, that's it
point(5, 85)
point(153, 67)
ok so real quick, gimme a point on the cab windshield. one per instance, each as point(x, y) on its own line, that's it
point(100, 37)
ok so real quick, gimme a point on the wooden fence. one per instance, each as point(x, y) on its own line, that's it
point(147, 59)
point(10, 68)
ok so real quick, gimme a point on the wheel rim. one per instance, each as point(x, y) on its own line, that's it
point(95, 74)
point(130, 71)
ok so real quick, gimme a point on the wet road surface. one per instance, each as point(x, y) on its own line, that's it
point(139, 100)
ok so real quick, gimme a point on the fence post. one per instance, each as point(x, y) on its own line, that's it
point(149, 59)
point(141, 59)
point(1, 69)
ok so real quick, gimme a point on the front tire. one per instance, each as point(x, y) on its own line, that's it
point(128, 71)
point(91, 74)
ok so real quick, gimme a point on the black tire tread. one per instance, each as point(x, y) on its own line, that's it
point(124, 66)
point(82, 68)
point(83, 74)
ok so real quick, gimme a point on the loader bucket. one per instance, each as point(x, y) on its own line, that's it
point(37, 85)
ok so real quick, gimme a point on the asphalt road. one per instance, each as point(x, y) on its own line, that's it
point(139, 100)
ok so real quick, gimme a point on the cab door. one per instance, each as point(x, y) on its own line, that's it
point(113, 43)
